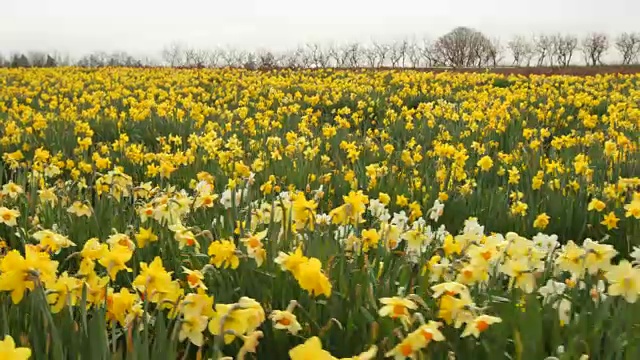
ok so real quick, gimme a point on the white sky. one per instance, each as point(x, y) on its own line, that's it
point(143, 27)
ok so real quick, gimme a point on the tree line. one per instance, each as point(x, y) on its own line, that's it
point(462, 47)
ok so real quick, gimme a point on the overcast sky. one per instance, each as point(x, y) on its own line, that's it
point(143, 27)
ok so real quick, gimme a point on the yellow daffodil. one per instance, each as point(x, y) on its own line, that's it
point(311, 349)
point(624, 280)
point(8, 216)
point(479, 325)
point(9, 351)
point(223, 254)
point(80, 209)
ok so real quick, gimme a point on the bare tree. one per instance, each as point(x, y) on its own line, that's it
point(593, 46)
point(266, 60)
point(521, 50)
point(96, 59)
point(51, 62)
point(250, 60)
point(493, 52)
point(428, 53)
point(121, 58)
point(628, 44)
point(289, 59)
point(484, 54)
point(543, 48)
point(83, 61)
point(352, 55)
point(101, 59)
point(173, 54)
point(228, 56)
point(303, 57)
point(322, 57)
point(233, 57)
point(403, 47)
point(150, 61)
point(37, 58)
point(465, 47)
point(334, 55)
point(319, 57)
point(395, 54)
point(399, 53)
point(61, 59)
point(19, 60)
point(382, 51)
point(190, 57)
point(371, 56)
point(349, 54)
point(213, 57)
point(244, 58)
point(563, 48)
point(281, 58)
point(461, 47)
point(414, 54)
point(195, 57)
point(339, 54)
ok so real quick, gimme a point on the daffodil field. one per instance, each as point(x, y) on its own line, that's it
point(318, 214)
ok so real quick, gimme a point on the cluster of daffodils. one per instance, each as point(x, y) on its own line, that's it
point(211, 199)
point(307, 271)
point(452, 263)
